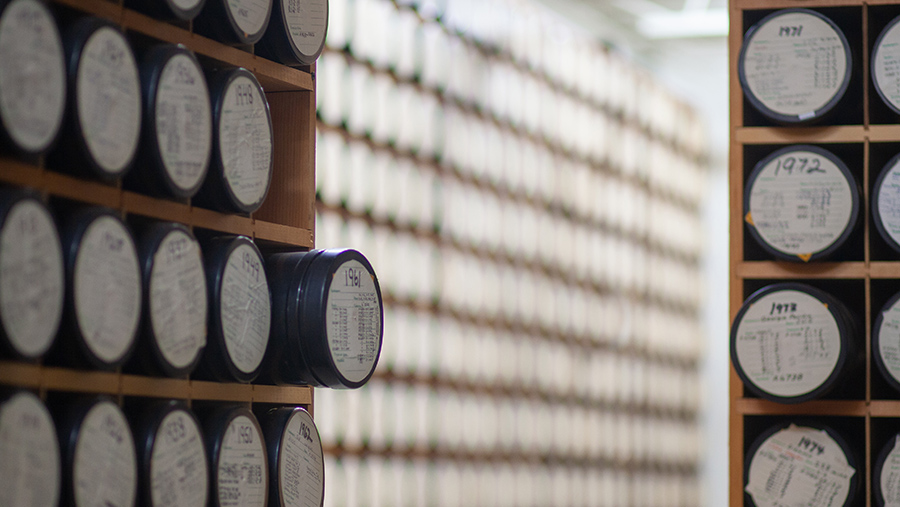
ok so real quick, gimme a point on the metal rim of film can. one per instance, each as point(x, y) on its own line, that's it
point(293, 430)
point(222, 256)
point(219, 20)
point(290, 26)
point(29, 320)
point(108, 153)
point(840, 239)
point(183, 10)
point(888, 451)
point(111, 451)
point(890, 372)
point(97, 278)
point(890, 31)
point(173, 359)
point(801, 117)
point(37, 69)
point(884, 188)
point(171, 73)
point(227, 422)
point(218, 190)
point(803, 424)
point(303, 350)
point(155, 427)
point(29, 440)
point(844, 323)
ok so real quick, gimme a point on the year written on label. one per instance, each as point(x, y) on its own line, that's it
point(351, 277)
point(244, 434)
point(251, 265)
point(780, 308)
point(244, 95)
point(787, 166)
point(790, 31)
point(305, 433)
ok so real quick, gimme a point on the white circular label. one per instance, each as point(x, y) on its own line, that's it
point(250, 15)
point(107, 287)
point(795, 64)
point(178, 299)
point(245, 308)
point(186, 5)
point(104, 465)
point(108, 99)
point(31, 278)
point(799, 466)
point(242, 474)
point(178, 469)
point(889, 340)
point(183, 121)
point(32, 75)
point(886, 66)
point(306, 21)
point(890, 477)
point(301, 463)
point(245, 140)
point(889, 202)
point(788, 343)
point(353, 321)
point(801, 203)
point(30, 468)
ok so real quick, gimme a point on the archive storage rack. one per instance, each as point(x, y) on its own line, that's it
point(864, 274)
point(286, 219)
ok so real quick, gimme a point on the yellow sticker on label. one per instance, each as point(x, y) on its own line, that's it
point(805, 257)
point(749, 219)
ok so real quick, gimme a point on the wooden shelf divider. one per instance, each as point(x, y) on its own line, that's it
point(114, 383)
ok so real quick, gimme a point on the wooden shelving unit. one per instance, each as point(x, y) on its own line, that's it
point(873, 266)
point(287, 217)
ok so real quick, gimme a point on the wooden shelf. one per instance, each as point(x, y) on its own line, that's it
point(91, 192)
point(272, 76)
point(118, 384)
point(796, 270)
point(823, 270)
point(818, 135)
point(884, 408)
point(884, 269)
point(847, 408)
point(756, 406)
point(790, 135)
point(287, 216)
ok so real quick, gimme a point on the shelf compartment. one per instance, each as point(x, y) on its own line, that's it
point(272, 76)
point(112, 383)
